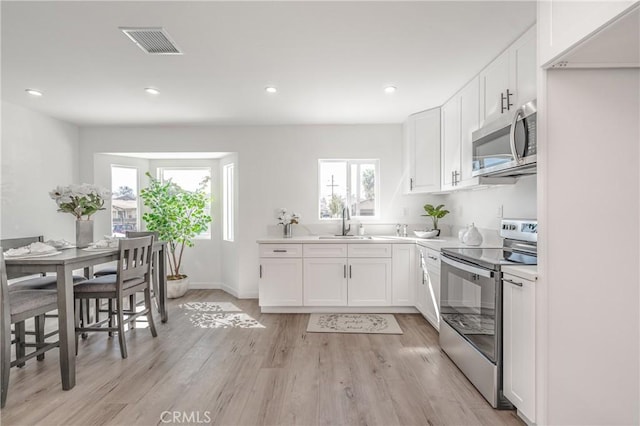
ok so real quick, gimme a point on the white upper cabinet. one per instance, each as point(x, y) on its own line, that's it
point(422, 152)
point(510, 80)
point(450, 143)
point(438, 148)
point(460, 117)
point(494, 80)
point(567, 24)
point(469, 122)
point(522, 55)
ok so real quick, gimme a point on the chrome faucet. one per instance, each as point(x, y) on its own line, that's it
point(345, 216)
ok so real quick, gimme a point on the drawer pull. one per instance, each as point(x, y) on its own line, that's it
point(279, 251)
point(512, 282)
point(432, 257)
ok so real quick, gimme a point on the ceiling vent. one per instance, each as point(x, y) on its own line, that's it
point(153, 40)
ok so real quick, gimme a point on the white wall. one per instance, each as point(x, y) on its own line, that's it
point(588, 291)
point(481, 206)
point(38, 153)
point(278, 169)
point(230, 256)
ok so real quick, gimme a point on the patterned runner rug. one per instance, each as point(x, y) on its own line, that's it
point(353, 323)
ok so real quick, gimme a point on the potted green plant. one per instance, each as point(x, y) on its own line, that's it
point(435, 213)
point(178, 216)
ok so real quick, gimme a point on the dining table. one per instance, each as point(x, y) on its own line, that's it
point(63, 264)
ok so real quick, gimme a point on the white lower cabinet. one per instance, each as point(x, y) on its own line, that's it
point(369, 282)
point(519, 344)
point(402, 274)
point(280, 282)
point(325, 282)
point(428, 285)
point(317, 275)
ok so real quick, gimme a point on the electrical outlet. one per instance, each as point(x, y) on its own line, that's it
point(500, 211)
point(405, 212)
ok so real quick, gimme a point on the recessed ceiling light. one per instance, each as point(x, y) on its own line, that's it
point(33, 92)
point(390, 89)
point(152, 90)
point(271, 89)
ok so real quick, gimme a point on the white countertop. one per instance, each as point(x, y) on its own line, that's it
point(432, 243)
point(527, 272)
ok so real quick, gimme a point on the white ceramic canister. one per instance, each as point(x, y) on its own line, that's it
point(461, 233)
point(472, 237)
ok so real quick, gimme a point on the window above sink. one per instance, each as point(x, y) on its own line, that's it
point(351, 183)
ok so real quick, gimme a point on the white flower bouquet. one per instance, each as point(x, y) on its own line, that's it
point(286, 218)
point(80, 200)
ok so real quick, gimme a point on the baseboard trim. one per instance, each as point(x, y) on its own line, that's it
point(338, 310)
point(205, 286)
point(224, 287)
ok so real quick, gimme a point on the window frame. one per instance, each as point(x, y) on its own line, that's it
point(138, 206)
point(228, 202)
point(160, 176)
point(348, 163)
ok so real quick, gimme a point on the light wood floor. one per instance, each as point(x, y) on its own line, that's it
point(278, 374)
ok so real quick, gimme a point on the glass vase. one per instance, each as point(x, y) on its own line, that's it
point(288, 230)
point(84, 233)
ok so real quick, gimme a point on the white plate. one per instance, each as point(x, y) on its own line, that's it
point(30, 255)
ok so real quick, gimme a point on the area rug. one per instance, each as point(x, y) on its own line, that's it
point(218, 315)
point(353, 323)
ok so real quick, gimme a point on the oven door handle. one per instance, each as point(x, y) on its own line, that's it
point(512, 135)
point(468, 268)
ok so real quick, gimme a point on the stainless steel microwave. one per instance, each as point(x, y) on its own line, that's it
point(507, 148)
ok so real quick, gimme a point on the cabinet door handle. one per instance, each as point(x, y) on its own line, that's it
point(349, 271)
point(509, 104)
point(502, 99)
point(432, 257)
point(279, 251)
point(345, 271)
point(411, 184)
point(512, 282)
point(260, 271)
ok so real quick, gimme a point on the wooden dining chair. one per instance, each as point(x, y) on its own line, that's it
point(28, 282)
point(133, 275)
point(17, 307)
point(112, 270)
point(43, 282)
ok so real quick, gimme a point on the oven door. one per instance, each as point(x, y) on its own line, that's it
point(470, 304)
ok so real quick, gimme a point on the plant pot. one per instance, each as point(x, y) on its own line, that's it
point(177, 288)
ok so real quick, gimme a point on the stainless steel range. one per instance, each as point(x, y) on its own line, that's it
point(471, 305)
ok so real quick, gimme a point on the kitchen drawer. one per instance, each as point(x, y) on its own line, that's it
point(280, 250)
point(324, 250)
point(369, 250)
point(432, 258)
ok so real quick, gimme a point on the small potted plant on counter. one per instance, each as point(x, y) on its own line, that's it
point(178, 216)
point(435, 213)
